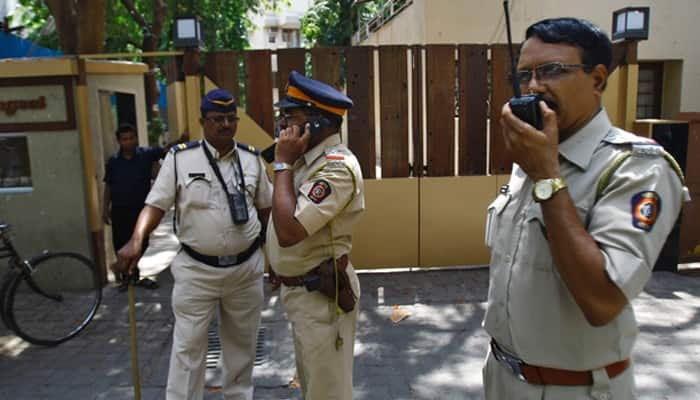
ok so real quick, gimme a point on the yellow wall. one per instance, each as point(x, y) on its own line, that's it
point(672, 88)
point(452, 219)
point(407, 27)
point(425, 222)
point(387, 234)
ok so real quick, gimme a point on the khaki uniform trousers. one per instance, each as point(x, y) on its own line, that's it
point(325, 373)
point(501, 384)
point(199, 289)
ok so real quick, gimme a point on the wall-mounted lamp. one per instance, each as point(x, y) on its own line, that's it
point(631, 23)
point(187, 32)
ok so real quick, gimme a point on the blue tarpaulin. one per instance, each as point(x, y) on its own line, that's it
point(12, 46)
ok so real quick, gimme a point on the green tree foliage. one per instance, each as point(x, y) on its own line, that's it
point(35, 21)
point(224, 22)
point(329, 23)
point(333, 22)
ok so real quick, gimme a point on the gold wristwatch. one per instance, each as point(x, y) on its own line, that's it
point(544, 189)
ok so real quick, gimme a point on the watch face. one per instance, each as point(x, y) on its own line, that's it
point(543, 190)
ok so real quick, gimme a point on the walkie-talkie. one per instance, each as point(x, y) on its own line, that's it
point(526, 107)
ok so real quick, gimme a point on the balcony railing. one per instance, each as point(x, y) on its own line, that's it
point(388, 11)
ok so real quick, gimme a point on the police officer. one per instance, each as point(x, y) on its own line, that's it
point(318, 197)
point(222, 197)
point(575, 233)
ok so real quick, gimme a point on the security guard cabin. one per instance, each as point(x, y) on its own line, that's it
point(57, 123)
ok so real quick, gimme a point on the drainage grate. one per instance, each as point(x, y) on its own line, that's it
point(214, 346)
point(260, 353)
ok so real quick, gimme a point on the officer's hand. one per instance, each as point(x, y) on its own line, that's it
point(128, 257)
point(274, 280)
point(536, 152)
point(291, 144)
point(106, 218)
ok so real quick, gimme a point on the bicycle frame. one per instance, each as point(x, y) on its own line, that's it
point(8, 250)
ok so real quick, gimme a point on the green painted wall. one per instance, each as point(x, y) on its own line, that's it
point(53, 215)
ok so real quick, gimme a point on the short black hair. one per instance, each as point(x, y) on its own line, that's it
point(595, 45)
point(123, 128)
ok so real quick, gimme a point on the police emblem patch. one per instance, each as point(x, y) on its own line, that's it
point(646, 207)
point(319, 191)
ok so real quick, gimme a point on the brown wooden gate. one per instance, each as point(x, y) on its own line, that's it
point(420, 111)
point(451, 91)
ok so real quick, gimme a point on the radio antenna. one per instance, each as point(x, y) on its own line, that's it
point(513, 71)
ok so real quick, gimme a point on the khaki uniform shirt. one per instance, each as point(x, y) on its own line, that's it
point(204, 220)
point(530, 309)
point(329, 196)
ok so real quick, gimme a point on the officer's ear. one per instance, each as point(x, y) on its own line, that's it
point(600, 78)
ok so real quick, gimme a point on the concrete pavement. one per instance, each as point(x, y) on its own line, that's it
point(436, 353)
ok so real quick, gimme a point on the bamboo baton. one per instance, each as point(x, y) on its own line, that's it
point(136, 377)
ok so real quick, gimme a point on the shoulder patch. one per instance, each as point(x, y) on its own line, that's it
point(319, 191)
point(247, 148)
point(185, 146)
point(646, 207)
point(335, 156)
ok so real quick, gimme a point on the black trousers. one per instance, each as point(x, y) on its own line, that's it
point(123, 223)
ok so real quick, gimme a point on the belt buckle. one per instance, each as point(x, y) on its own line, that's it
point(228, 260)
point(515, 365)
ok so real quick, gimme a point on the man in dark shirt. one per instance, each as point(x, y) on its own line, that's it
point(127, 181)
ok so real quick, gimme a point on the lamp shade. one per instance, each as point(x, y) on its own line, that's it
point(187, 32)
point(631, 23)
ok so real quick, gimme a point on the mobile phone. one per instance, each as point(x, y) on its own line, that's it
point(268, 153)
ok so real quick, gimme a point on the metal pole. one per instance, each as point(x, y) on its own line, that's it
point(134, 342)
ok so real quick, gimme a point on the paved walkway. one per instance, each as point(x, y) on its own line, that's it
point(436, 353)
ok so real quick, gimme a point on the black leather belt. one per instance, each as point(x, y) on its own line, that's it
point(223, 261)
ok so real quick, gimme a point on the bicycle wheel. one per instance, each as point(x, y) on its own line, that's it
point(56, 301)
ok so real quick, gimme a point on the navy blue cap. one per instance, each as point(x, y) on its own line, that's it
point(306, 92)
point(219, 100)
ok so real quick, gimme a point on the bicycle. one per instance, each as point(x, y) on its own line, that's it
point(49, 298)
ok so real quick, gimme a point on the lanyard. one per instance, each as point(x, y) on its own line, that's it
point(241, 184)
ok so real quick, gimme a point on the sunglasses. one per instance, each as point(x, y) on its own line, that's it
point(546, 71)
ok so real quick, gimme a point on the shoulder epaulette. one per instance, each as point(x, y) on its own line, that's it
point(184, 146)
point(621, 136)
point(647, 149)
point(247, 148)
point(644, 150)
